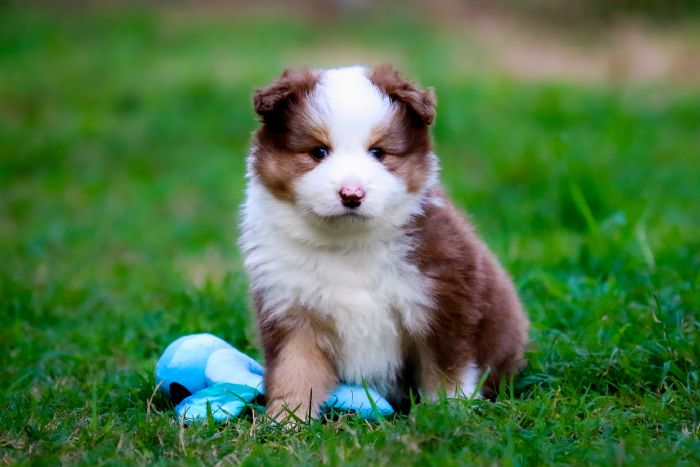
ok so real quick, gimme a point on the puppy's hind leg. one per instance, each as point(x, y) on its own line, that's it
point(454, 383)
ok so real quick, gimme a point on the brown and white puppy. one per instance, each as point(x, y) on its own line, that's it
point(361, 269)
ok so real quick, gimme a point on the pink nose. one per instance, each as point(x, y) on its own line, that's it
point(351, 195)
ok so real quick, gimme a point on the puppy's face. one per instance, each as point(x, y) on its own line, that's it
point(344, 146)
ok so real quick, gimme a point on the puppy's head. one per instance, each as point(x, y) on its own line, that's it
point(345, 146)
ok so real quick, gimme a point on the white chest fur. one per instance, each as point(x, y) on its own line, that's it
point(369, 291)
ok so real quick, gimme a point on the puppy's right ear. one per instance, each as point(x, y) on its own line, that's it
point(277, 98)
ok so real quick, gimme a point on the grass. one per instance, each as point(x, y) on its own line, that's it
point(122, 143)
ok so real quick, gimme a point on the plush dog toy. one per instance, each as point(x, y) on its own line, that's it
point(202, 370)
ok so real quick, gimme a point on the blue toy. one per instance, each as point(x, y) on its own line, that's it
point(202, 369)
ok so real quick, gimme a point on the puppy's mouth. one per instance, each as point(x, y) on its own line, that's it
point(348, 215)
point(337, 216)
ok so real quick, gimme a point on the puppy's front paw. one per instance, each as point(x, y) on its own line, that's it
point(289, 415)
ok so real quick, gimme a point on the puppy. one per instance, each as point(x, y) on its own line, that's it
point(361, 269)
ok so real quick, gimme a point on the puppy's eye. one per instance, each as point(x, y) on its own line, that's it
point(319, 153)
point(377, 153)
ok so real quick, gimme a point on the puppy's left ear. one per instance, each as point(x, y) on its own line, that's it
point(275, 99)
point(420, 103)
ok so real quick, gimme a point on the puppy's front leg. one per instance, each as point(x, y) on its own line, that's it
point(299, 376)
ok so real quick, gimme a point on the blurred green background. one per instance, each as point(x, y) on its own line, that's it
point(570, 133)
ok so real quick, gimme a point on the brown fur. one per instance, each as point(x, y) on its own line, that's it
point(283, 142)
point(406, 150)
point(419, 102)
point(406, 140)
point(272, 101)
point(478, 315)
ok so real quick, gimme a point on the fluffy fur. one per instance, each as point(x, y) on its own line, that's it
point(395, 290)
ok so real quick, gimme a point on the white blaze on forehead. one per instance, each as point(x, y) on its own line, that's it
point(349, 106)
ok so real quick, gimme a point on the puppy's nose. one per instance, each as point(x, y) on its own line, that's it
point(351, 195)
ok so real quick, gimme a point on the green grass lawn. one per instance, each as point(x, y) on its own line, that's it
point(122, 145)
